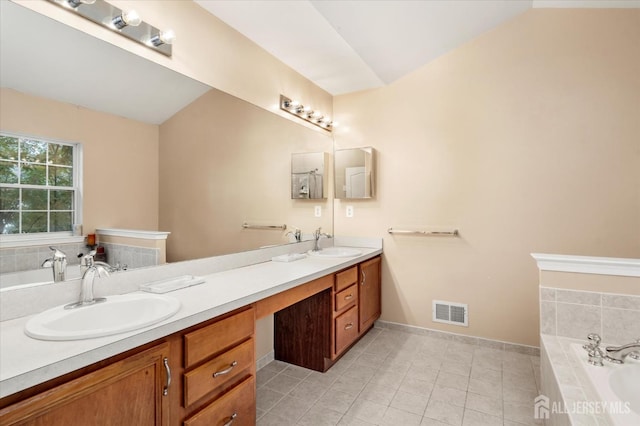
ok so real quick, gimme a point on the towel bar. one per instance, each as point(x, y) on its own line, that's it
point(453, 233)
point(246, 225)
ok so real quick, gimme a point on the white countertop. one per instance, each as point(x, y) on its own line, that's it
point(25, 362)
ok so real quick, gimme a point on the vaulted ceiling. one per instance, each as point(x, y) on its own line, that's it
point(350, 45)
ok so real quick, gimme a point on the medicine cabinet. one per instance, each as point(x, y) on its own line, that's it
point(354, 173)
point(309, 175)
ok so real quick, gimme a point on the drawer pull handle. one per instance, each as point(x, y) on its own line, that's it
point(165, 390)
point(226, 370)
point(348, 297)
point(364, 277)
point(348, 326)
point(231, 419)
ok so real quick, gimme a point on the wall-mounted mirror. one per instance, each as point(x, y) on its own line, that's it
point(198, 159)
point(354, 173)
point(309, 175)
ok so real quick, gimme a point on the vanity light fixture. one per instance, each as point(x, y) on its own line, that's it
point(126, 23)
point(74, 4)
point(130, 17)
point(305, 113)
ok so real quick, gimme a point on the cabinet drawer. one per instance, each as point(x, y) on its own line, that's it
point(346, 329)
point(345, 278)
point(209, 340)
point(236, 407)
point(346, 297)
point(219, 373)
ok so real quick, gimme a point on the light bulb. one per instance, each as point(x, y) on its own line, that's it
point(132, 18)
point(127, 18)
point(163, 37)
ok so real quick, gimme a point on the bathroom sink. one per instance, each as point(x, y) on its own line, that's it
point(336, 252)
point(118, 314)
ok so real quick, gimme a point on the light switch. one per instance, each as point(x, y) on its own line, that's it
point(317, 211)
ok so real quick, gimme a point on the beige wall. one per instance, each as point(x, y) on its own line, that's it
point(224, 161)
point(120, 157)
point(526, 139)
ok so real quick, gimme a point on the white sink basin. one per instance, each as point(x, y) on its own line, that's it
point(118, 314)
point(336, 252)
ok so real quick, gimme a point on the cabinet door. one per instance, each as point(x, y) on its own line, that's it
point(369, 294)
point(128, 392)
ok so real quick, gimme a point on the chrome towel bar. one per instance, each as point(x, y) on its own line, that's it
point(246, 225)
point(453, 233)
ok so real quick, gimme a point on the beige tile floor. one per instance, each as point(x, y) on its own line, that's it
point(395, 378)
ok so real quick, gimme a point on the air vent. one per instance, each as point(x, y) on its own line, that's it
point(450, 313)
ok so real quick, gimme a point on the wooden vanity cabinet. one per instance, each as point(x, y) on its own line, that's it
point(212, 364)
point(127, 392)
point(369, 307)
point(212, 368)
point(345, 310)
point(218, 372)
point(357, 303)
point(314, 332)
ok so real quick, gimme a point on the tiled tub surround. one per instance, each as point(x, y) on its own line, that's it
point(581, 295)
point(575, 314)
point(231, 282)
point(131, 256)
point(134, 248)
point(30, 258)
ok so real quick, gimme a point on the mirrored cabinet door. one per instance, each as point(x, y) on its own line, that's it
point(309, 175)
point(354, 173)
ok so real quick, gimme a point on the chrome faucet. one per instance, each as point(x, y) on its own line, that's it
point(297, 234)
point(90, 269)
point(593, 350)
point(316, 236)
point(617, 354)
point(88, 260)
point(57, 263)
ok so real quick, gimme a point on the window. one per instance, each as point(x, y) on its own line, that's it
point(39, 185)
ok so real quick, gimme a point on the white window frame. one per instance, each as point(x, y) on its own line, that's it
point(45, 238)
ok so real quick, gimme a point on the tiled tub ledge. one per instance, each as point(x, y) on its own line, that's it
point(572, 397)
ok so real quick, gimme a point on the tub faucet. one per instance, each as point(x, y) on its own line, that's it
point(316, 236)
point(617, 354)
point(58, 264)
point(593, 350)
point(88, 260)
point(86, 287)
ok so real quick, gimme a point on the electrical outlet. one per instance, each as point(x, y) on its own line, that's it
point(349, 211)
point(317, 211)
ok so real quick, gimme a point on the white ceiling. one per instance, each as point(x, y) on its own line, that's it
point(350, 45)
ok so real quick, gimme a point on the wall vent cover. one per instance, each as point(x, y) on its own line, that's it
point(451, 313)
